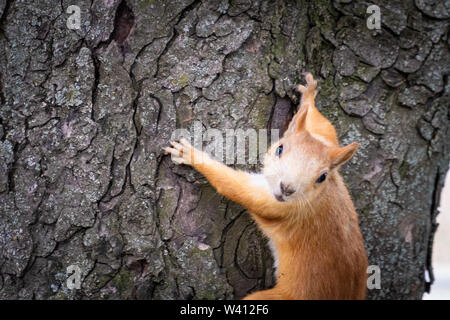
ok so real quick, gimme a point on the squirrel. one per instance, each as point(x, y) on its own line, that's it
point(301, 204)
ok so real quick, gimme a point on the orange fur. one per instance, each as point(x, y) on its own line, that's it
point(315, 231)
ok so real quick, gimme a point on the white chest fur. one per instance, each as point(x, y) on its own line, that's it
point(274, 256)
point(258, 179)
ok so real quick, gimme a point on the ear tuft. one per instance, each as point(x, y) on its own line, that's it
point(339, 156)
point(300, 123)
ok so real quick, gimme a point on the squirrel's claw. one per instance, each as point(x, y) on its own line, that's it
point(172, 151)
point(310, 80)
point(301, 88)
point(311, 84)
point(176, 145)
point(310, 87)
point(183, 152)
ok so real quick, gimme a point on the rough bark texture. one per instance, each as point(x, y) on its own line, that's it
point(85, 113)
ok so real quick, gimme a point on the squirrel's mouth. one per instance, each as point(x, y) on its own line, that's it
point(279, 197)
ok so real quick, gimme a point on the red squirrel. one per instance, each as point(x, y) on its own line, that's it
point(301, 204)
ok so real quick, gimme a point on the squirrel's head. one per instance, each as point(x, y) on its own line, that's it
point(299, 166)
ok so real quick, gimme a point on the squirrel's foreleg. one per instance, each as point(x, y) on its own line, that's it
point(233, 184)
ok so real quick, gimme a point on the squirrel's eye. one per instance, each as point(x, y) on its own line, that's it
point(279, 150)
point(322, 178)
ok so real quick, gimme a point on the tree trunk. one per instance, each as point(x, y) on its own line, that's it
point(85, 113)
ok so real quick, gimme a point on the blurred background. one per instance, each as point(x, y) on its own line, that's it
point(441, 252)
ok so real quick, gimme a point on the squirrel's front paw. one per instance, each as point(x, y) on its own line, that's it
point(184, 153)
point(311, 85)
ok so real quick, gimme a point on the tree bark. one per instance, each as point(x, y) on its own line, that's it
point(85, 114)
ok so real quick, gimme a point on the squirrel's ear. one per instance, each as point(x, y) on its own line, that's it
point(301, 121)
point(340, 156)
point(298, 121)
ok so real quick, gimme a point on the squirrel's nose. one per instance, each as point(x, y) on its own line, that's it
point(279, 197)
point(286, 190)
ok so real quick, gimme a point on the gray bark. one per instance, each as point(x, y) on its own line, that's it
point(85, 113)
